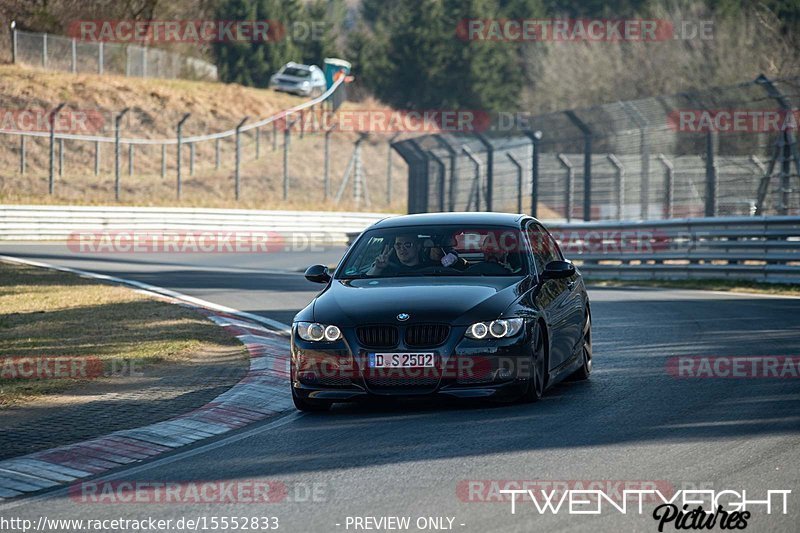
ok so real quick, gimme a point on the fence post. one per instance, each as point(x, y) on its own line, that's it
point(442, 167)
point(74, 56)
point(44, 50)
point(258, 143)
point(619, 184)
point(519, 180)
point(451, 194)
point(144, 61)
point(287, 134)
point(302, 120)
point(644, 153)
point(53, 115)
point(216, 153)
point(762, 168)
point(163, 161)
point(96, 158)
point(22, 154)
point(130, 160)
point(238, 156)
point(274, 135)
point(100, 58)
point(587, 163)
point(127, 60)
point(60, 158)
point(178, 161)
point(535, 137)
point(476, 186)
point(711, 177)
point(669, 184)
point(489, 169)
point(359, 183)
point(568, 186)
point(13, 42)
point(117, 121)
point(785, 150)
point(191, 159)
point(327, 163)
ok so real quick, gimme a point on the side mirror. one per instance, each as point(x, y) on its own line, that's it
point(318, 274)
point(558, 270)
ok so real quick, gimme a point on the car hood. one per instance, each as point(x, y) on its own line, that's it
point(455, 300)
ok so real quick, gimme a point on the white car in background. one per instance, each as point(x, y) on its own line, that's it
point(303, 80)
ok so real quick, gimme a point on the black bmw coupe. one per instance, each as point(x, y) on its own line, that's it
point(470, 305)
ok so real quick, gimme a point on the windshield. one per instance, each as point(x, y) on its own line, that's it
point(297, 72)
point(450, 250)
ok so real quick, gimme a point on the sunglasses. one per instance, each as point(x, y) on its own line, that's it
point(401, 245)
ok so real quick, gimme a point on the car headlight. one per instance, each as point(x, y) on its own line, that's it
point(316, 332)
point(496, 329)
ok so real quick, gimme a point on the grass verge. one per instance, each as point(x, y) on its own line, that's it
point(47, 314)
point(706, 285)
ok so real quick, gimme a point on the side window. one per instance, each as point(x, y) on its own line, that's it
point(535, 237)
point(543, 246)
point(552, 248)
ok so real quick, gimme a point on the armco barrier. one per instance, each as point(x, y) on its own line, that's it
point(752, 248)
point(738, 248)
point(746, 248)
point(57, 223)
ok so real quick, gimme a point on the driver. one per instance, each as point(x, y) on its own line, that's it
point(407, 248)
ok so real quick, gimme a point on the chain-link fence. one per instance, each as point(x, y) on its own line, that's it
point(727, 151)
point(303, 158)
point(54, 52)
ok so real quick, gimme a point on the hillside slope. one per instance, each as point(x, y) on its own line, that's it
point(156, 107)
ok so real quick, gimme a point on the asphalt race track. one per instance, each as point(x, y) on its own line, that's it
point(633, 421)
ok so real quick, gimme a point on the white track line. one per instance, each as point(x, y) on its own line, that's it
point(280, 327)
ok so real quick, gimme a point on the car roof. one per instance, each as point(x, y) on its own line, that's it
point(292, 64)
point(466, 218)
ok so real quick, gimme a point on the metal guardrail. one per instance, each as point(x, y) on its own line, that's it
point(763, 249)
point(748, 248)
point(58, 223)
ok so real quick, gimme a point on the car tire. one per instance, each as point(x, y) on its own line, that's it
point(585, 370)
point(310, 406)
point(536, 383)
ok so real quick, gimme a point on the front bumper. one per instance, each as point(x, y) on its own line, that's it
point(292, 89)
point(465, 368)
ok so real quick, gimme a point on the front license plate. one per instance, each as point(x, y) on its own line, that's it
point(401, 360)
